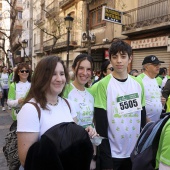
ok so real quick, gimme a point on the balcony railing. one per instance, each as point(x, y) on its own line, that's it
point(39, 19)
point(63, 41)
point(156, 14)
point(37, 48)
point(52, 9)
point(19, 5)
point(18, 25)
point(64, 3)
point(48, 44)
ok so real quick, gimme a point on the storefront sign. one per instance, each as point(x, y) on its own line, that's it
point(149, 42)
point(112, 15)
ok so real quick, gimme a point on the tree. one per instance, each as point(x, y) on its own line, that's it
point(13, 33)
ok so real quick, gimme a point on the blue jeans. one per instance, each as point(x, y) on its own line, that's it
point(4, 96)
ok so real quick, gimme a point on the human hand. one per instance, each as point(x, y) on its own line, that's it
point(91, 131)
point(20, 100)
point(93, 165)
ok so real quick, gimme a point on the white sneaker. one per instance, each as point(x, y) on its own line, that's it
point(9, 108)
point(3, 108)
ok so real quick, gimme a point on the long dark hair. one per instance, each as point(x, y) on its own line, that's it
point(41, 79)
point(20, 67)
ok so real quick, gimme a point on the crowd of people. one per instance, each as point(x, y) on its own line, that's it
point(112, 104)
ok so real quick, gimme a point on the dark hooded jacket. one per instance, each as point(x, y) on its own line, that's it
point(65, 146)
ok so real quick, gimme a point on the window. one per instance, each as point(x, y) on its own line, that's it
point(34, 39)
point(96, 18)
point(28, 4)
point(19, 15)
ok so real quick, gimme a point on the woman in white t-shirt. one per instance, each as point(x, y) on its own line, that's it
point(19, 88)
point(76, 91)
point(47, 84)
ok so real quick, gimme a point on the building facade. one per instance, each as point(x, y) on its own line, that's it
point(148, 29)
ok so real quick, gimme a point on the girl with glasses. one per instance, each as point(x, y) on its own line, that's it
point(19, 88)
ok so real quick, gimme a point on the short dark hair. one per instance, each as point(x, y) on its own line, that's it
point(162, 71)
point(41, 79)
point(133, 71)
point(19, 67)
point(80, 58)
point(119, 45)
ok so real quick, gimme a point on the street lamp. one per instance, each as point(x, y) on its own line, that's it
point(69, 22)
point(24, 45)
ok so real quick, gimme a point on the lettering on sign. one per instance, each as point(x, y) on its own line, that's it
point(149, 42)
point(111, 15)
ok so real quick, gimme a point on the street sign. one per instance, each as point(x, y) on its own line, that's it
point(111, 15)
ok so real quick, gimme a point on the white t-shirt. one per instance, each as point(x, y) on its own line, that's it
point(124, 123)
point(84, 104)
point(20, 91)
point(4, 80)
point(164, 82)
point(152, 97)
point(28, 121)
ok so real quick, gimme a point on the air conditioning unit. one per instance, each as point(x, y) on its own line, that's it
point(105, 40)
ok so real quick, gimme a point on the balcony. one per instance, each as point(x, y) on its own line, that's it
point(19, 5)
point(154, 16)
point(39, 19)
point(15, 43)
point(38, 48)
point(48, 44)
point(18, 25)
point(52, 9)
point(65, 3)
point(63, 41)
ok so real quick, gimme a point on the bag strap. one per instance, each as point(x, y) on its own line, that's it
point(37, 107)
point(67, 103)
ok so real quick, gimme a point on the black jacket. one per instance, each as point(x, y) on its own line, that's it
point(65, 146)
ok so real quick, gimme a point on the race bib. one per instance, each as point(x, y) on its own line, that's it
point(129, 103)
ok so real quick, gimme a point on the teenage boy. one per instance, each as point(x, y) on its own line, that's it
point(118, 110)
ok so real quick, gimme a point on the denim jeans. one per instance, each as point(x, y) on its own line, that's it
point(4, 96)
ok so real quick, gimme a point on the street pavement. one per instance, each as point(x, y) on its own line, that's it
point(5, 122)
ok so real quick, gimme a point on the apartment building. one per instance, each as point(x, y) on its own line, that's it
point(147, 27)
point(27, 31)
point(4, 27)
point(144, 25)
point(49, 30)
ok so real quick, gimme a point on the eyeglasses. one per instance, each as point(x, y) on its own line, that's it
point(26, 71)
point(111, 68)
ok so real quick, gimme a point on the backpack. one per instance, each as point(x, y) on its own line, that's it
point(10, 149)
point(143, 156)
